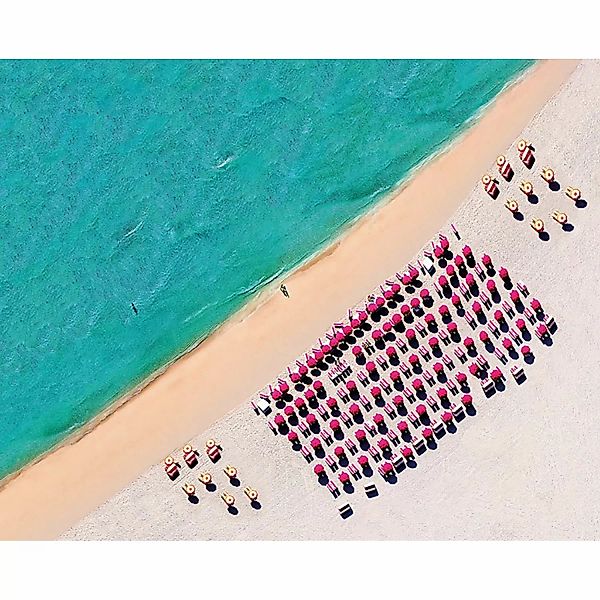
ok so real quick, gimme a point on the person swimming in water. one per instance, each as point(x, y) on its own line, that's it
point(134, 307)
point(284, 290)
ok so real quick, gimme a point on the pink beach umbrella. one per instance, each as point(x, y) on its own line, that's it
point(470, 280)
point(363, 460)
point(299, 403)
point(288, 411)
point(396, 288)
point(334, 424)
point(339, 451)
point(443, 310)
point(362, 316)
point(387, 326)
point(514, 296)
point(377, 334)
point(469, 342)
point(467, 399)
point(344, 477)
point(421, 409)
point(447, 417)
point(311, 362)
point(438, 368)
point(396, 319)
point(355, 323)
point(461, 378)
point(459, 261)
point(406, 280)
point(417, 384)
point(398, 400)
point(498, 316)
point(309, 394)
point(319, 355)
point(325, 348)
point(456, 301)
point(279, 420)
point(391, 351)
point(486, 260)
point(467, 252)
point(376, 392)
point(332, 402)
point(354, 409)
point(415, 303)
point(347, 330)
point(372, 307)
point(388, 294)
point(292, 436)
point(311, 419)
point(429, 319)
point(443, 281)
point(403, 426)
point(303, 370)
point(315, 443)
point(521, 325)
point(414, 273)
point(413, 359)
point(405, 309)
point(378, 418)
point(442, 393)
point(474, 369)
point(452, 327)
point(477, 308)
point(503, 273)
point(357, 350)
point(370, 366)
point(424, 293)
point(407, 452)
point(275, 394)
point(536, 305)
point(491, 285)
point(427, 433)
point(444, 243)
point(496, 374)
point(360, 435)
point(542, 330)
point(507, 343)
point(395, 376)
point(387, 468)
point(484, 337)
point(450, 271)
point(525, 350)
point(434, 342)
point(410, 334)
point(284, 388)
point(438, 251)
point(380, 301)
point(351, 385)
point(318, 385)
point(295, 377)
point(319, 469)
point(383, 444)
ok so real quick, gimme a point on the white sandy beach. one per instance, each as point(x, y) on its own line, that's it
point(524, 467)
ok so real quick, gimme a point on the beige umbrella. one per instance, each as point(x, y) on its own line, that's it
point(169, 461)
point(559, 217)
point(189, 489)
point(230, 471)
point(573, 193)
point(537, 225)
point(512, 205)
point(251, 493)
point(228, 499)
point(526, 187)
point(210, 444)
point(187, 448)
point(522, 145)
point(547, 174)
point(205, 478)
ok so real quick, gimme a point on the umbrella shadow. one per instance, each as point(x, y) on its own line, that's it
point(256, 505)
point(232, 510)
point(193, 499)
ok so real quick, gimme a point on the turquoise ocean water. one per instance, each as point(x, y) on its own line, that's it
point(183, 187)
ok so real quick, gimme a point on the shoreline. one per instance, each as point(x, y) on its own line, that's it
point(126, 438)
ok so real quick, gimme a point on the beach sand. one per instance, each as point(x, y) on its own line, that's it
point(517, 447)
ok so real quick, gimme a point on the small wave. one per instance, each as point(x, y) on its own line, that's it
point(134, 230)
point(224, 163)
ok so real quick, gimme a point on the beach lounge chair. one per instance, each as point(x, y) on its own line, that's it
point(306, 453)
point(389, 410)
point(371, 490)
point(432, 403)
point(385, 385)
point(343, 396)
point(351, 446)
point(514, 335)
point(438, 428)
point(381, 362)
point(272, 427)
point(452, 387)
point(482, 362)
point(448, 362)
point(518, 373)
point(427, 375)
point(354, 471)
point(443, 335)
point(362, 377)
point(333, 489)
point(470, 319)
point(530, 316)
point(303, 427)
point(405, 369)
point(500, 356)
point(485, 300)
point(326, 436)
point(493, 329)
point(409, 394)
point(254, 407)
point(365, 403)
point(413, 418)
point(420, 329)
point(464, 290)
point(322, 412)
point(457, 411)
point(479, 272)
point(402, 346)
point(460, 354)
point(370, 427)
point(330, 462)
point(522, 288)
point(424, 353)
point(374, 452)
point(393, 437)
point(346, 420)
point(487, 385)
point(508, 309)
point(418, 444)
point(550, 323)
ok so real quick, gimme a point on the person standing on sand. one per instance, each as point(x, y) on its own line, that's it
point(284, 290)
